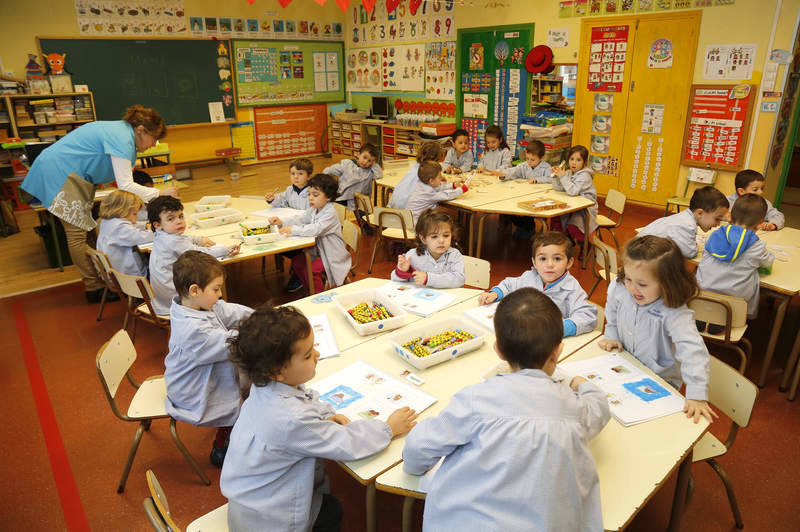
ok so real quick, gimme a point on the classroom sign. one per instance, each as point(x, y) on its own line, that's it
point(607, 56)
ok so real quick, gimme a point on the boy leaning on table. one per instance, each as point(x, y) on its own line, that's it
point(515, 447)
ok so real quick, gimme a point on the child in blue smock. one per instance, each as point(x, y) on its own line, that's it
point(496, 158)
point(577, 181)
point(459, 158)
point(431, 188)
point(274, 476)
point(119, 235)
point(296, 195)
point(433, 262)
point(429, 151)
point(516, 446)
point(752, 182)
point(551, 255)
point(646, 314)
point(165, 214)
point(202, 387)
point(356, 175)
point(534, 170)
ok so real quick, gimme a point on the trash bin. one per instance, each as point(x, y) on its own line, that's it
point(45, 232)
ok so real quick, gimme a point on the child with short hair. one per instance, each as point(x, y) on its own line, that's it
point(577, 181)
point(707, 208)
point(515, 446)
point(165, 215)
point(433, 262)
point(734, 254)
point(428, 151)
point(118, 235)
point(321, 222)
point(459, 158)
point(202, 388)
point(496, 158)
point(296, 195)
point(356, 175)
point(274, 476)
point(551, 255)
point(535, 169)
point(431, 189)
point(752, 182)
point(646, 314)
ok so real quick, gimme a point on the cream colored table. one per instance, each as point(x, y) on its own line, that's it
point(632, 462)
point(227, 235)
point(441, 381)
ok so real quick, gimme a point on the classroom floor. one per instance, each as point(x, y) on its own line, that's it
point(65, 449)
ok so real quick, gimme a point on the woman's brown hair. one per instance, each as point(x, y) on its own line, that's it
point(149, 119)
point(678, 285)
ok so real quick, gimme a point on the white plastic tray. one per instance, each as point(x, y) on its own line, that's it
point(212, 203)
point(432, 328)
point(254, 240)
point(216, 217)
point(350, 300)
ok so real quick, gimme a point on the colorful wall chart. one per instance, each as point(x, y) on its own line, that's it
point(265, 28)
point(440, 70)
point(429, 20)
point(510, 85)
point(609, 49)
point(289, 131)
point(404, 68)
point(365, 69)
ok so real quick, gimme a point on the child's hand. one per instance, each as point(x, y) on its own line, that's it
point(206, 242)
point(558, 170)
point(169, 191)
point(610, 345)
point(532, 181)
point(766, 226)
point(487, 297)
point(234, 250)
point(402, 420)
point(420, 278)
point(575, 382)
point(339, 418)
point(269, 197)
point(403, 263)
point(275, 221)
point(695, 409)
point(285, 231)
point(453, 170)
point(497, 173)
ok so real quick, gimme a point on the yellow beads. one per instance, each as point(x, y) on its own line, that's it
point(366, 313)
point(438, 342)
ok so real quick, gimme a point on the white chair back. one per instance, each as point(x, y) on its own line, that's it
point(731, 392)
point(477, 272)
point(615, 200)
point(714, 308)
point(387, 218)
point(114, 360)
point(605, 257)
point(351, 234)
point(341, 211)
point(130, 285)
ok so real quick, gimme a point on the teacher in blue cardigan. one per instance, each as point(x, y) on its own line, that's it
point(65, 175)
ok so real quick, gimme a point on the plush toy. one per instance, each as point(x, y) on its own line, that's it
point(33, 69)
point(56, 62)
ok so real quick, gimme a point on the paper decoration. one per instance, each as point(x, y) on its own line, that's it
point(476, 106)
point(601, 123)
point(565, 9)
point(119, 18)
point(364, 69)
point(652, 118)
point(440, 70)
point(608, 52)
point(558, 37)
point(404, 68)
point(661, 53)
point(477, 130)
point(289, 131)
point(599, 144)
point(509, 103)
point(604, 103)
point(729, 61)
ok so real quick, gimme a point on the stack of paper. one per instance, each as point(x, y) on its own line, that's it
point(417, 300)
point(324, 340)
point(483, 315)
point(633, 396)
point(280, 212)
point(360, 391)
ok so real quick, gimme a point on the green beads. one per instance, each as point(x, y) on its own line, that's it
point(438, 342)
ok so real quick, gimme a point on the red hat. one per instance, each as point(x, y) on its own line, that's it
point(539, 60)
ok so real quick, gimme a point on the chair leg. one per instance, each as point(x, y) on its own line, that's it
point(614, 236)
point(374, 251)
point(729, 489)
point(131, 455)
point(742, 356)
point(594, 286)
point(127, 314)
point(133, 332)
point(279, 263)
point(748, 352)
point(173, 430)
point(102, 304)
point(263, 264)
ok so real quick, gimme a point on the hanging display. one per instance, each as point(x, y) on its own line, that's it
point(607, 56)
point(440, 70)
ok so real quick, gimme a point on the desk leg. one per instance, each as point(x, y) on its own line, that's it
point(681, 488)
point(307, 251)
point(471, 236)
point(780, 312)
point(408, 513)
point(585, 245)
point(372, 518)
point(52, 220)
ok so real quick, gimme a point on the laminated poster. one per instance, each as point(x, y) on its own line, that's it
point(607, 56)
point(440, 70)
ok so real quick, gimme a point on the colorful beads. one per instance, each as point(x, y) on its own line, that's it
point(439, 342)
point(366, 313)
point(253, 231)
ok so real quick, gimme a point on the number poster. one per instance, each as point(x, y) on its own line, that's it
point(608, 52)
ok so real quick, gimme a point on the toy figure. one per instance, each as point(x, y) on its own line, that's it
point(56, 62)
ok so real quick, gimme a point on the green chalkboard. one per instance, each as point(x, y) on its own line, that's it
point(176, 77)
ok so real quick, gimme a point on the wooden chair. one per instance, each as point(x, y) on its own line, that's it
point(615, 201)
point(477, 272)
point(157, 508)
point(729, 312)
point(114, 361)
point(352, 237)
point(341, 211)
point(734, 395)
point(136, 288)
point(605, 265)
point(683, 201)
point(393, 225)
point(364, 212)
point(103, 268)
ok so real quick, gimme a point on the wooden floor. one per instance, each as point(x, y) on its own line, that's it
point(64, 449)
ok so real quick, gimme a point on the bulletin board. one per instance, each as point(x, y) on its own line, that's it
point(717, 126)
point(290, 131)
point(285, 72)
point(491, 80)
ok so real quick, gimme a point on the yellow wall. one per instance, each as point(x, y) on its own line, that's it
point(746, 21)
point(22, 22)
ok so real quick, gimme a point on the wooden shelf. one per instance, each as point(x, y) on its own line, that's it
point(10, 101)
point(57, 123)
point(44, 96)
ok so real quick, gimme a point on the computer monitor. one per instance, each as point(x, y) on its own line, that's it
point(380, 107)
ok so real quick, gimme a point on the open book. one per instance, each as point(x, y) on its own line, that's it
point(324, 340)
point(418, 300)
point(483, 315)
point(633, 395)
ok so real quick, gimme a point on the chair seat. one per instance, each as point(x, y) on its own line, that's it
point(213, 521)
point(397, 234)
point(708, 447)
point(736, 334)
point(144, 309)
point(149, 399)
point(605, 221)
point(678, 200)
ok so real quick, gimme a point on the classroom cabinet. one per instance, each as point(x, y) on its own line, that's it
point(400, 142)
point(545, 89)
point(393, 141)
point(346, 138)
point(47, 117)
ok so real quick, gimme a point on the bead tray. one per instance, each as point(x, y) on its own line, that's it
point(216, 217)
point(349, 300)
point(432, 328)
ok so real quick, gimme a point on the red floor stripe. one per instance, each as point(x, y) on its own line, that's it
point(71, 505)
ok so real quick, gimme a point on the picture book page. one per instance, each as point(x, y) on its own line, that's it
point(483, 315)
point(417, 299)
point(324, 340)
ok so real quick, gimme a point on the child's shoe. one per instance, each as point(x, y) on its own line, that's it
point(218, 455)
point(294, 284)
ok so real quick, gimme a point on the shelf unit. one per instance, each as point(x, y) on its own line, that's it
point(346, 137)
point(546, 89)
point(393, 141)
point(399, 142)
point(24, 116)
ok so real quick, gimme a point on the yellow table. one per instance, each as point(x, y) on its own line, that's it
point(632, 462)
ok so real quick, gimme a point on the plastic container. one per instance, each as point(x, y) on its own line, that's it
point(216, 217)
point(212, 203)
point(264, 238)
point(432, 328)
point(347, 301)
